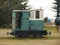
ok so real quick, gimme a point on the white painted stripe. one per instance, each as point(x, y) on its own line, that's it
point(36, 19)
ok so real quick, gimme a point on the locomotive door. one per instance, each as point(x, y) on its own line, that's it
point(25, 21)
point(16, 20)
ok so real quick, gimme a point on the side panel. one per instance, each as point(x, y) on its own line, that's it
point(37, 24)
point(25, 24)
point(25, 15)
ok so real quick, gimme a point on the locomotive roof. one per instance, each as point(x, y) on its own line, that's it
point(26, 10)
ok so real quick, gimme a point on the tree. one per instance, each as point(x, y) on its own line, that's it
point(57, 20)
point(57, 7)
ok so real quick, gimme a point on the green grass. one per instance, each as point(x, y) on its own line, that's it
point(50, 28)
point(5, 28)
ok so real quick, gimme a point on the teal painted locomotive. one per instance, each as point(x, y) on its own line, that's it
point(28, 23)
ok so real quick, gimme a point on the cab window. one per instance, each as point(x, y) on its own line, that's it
point(37, 14)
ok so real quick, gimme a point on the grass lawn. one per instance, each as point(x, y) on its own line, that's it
point(5, 28)
point(50, 28)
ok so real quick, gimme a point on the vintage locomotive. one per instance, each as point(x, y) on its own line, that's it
point(28, 23)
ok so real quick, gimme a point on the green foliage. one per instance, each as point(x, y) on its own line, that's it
point(57, 6)
point(57, 3)
point(6, 8)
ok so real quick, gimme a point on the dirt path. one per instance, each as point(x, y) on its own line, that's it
point(30, 42)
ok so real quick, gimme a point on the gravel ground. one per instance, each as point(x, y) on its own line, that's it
point(53, 39)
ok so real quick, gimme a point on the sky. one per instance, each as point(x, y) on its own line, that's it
point(45, 5)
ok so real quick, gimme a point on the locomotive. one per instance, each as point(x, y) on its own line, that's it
point(28, 23)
